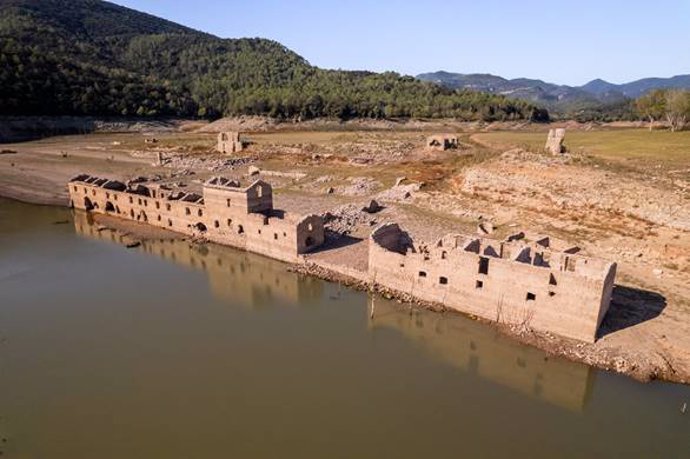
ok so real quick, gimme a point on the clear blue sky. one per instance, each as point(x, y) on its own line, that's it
point(568, 42)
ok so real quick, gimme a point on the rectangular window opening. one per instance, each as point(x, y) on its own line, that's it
point(483, 265)
point(479, 284)
point(443, 280)
point(531, 296)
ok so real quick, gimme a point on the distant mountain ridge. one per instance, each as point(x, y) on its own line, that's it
point(95, 58)
point(559, 97)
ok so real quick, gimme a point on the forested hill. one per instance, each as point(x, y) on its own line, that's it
point(90, 57)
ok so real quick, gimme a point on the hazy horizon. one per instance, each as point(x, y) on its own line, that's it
point(568, 43)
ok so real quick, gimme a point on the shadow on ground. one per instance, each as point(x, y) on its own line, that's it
point(631, 306)
point(336, 240)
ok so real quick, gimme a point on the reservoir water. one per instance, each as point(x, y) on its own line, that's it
point(172, 350)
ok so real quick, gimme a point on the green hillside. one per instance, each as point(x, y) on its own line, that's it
point(90, 57)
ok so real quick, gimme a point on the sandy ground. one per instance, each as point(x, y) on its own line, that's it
point(645, 229)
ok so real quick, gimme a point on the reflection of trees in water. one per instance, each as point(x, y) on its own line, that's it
point(242, 277)
point(481, 350)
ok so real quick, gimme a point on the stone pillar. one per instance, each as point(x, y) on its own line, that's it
point(554, 142)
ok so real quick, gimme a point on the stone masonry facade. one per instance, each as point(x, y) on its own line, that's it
point(513, 281)
point(532, 283)
point(225, 213)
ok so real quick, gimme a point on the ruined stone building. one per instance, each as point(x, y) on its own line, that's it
point(512, 281)
point(531, 283)
point(225, 213)
point(230, 142)
point(442, 142)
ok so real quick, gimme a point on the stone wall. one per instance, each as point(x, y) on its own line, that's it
point(504, 282)
point(271, 233)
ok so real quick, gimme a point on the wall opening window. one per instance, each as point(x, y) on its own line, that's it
point(552, 280)
point(443, 280)
point(168, 207)
point(422, 273)
point(479, 284)
point(229, 221)
point(275, 236)
point(187, 211)
point(483, 265)
point(552, 293)
point(131, 200)
point(531, 296)
point(158, 205)
point(444, 254)
point(228, 201)
point(260, 191)
point(169, 222)
point(200, 213)
point(240, 229)
point(216, 224)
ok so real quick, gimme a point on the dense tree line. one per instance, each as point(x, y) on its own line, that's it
point(85, 57)
point(671, 105)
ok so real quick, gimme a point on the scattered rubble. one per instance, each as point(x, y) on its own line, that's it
point(373, 207)
point(360, 186)
point(399, 192)
point(345, 219)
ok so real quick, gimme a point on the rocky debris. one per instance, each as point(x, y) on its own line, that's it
point(151, 140)
point(554, 141)
point(399, 181)
point(291, 174)
point(253, 170)
point(373, 207)
point(522, 178)
point(330, 190)
point(8, 152)
point(211, 163)
point(485, 227)
point(324, 179)
point(399, 192)
point(346, 218)
point(360, 186)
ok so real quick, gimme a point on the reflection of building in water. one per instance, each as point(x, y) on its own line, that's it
point(233, 275)
point(481, 350)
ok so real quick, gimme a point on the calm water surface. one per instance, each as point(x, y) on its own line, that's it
point(171, 351)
